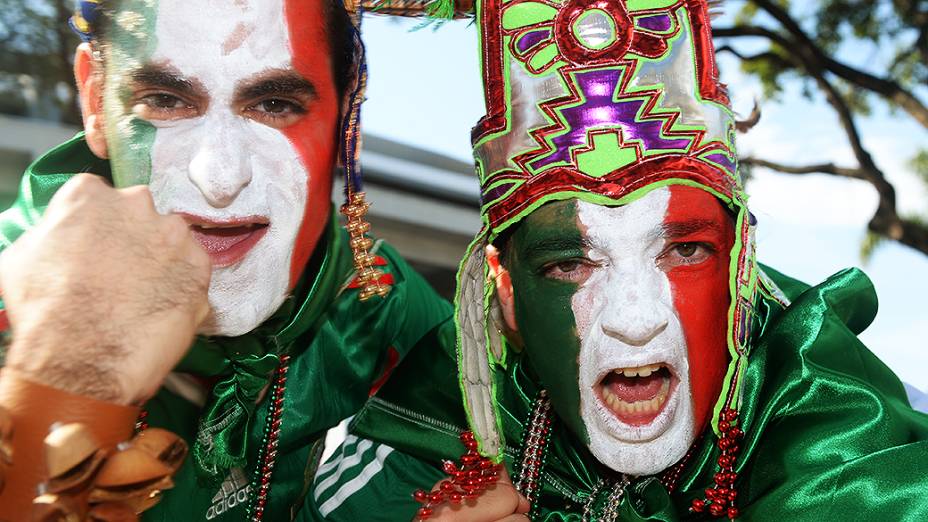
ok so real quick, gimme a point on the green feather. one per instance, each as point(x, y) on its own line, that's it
point(440, 9)
point(434, 12)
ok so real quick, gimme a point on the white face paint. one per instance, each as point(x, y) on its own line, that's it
point(626, 320)
point(223, 170)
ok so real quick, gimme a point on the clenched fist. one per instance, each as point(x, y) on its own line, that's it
point(104, 294)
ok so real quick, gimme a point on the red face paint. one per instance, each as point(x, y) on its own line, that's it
point(701, 294)
point(314, 136)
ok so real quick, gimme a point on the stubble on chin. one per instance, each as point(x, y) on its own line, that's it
point(613, 443)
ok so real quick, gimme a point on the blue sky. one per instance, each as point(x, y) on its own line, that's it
point(425, 90)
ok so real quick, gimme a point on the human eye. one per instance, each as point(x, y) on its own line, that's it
point(164, 101)
point(276, 112)
point(684, 254)
point(573, 270)
point(164, 106)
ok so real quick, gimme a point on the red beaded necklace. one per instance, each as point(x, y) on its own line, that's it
point(467, 480)
point(720, 500)
point(476, 473)
point(267, 457)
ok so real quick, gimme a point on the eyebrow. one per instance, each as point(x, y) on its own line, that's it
point(164, 77)
point(556, 244)
point(685, 228)
point(276, 83)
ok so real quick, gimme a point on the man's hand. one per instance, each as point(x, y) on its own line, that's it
point(499, 503)
point(104, 294)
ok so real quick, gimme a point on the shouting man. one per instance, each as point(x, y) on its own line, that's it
point(620, 349)
point(233, 114)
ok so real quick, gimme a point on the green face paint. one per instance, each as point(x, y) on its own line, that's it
point(607, 103)
point(190, 102)
point(130, 42)
point(548, 237)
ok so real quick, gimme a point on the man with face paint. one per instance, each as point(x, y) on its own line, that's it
point(620, 350)
point(233, 114)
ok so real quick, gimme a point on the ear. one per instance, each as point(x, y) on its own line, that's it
point(503, 288)
point(89, 78)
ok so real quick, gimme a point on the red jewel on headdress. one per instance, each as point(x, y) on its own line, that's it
point(575, 50)
point(469, 479)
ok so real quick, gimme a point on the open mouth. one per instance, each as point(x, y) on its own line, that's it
point(636, 396)
point(227, 242)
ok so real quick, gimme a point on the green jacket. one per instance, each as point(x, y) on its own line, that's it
point(829, 435)
point(340, 348)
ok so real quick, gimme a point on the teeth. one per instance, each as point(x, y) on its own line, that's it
point(651, 406)
point(611, 399)
point(642, 371)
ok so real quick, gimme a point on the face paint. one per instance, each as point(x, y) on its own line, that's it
point(700, 290)
point(640, 294)
point(547, 237)
point(230, 118)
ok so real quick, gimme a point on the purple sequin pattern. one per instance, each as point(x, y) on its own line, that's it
point(658, 22)
point(531, 39)
point(723, 160)
point(600, 111)
point(495, 193)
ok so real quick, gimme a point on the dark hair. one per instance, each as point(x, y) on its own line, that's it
point(340, 34)
point(338, 29)
point(503, 241)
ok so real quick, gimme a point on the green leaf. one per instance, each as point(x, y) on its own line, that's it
point(919, 164)
point(869, 245)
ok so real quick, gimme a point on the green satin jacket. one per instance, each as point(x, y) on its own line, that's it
point(341, 350)
point(829, 431)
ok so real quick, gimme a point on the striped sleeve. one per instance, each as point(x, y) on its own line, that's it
point(364, 480)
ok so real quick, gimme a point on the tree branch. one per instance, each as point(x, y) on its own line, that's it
point(885, 220)
point(821, 168)
point(807, 56)
point(887, 89)
point(736, 31)
point(759, 57)
point(909, 232)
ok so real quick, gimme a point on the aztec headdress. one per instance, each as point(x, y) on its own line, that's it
point(603, 101)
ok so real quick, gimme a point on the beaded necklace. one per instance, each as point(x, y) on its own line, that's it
point(267, 455)
point(610, 510)
point(536, 438)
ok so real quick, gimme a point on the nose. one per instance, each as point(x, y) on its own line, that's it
point(219, 167)
point(636, 311)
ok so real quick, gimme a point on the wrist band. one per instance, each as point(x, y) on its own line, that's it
point(88, 482)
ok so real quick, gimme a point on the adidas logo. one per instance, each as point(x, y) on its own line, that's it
point(235, 490)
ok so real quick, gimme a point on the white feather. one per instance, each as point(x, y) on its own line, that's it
point(474, 354)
